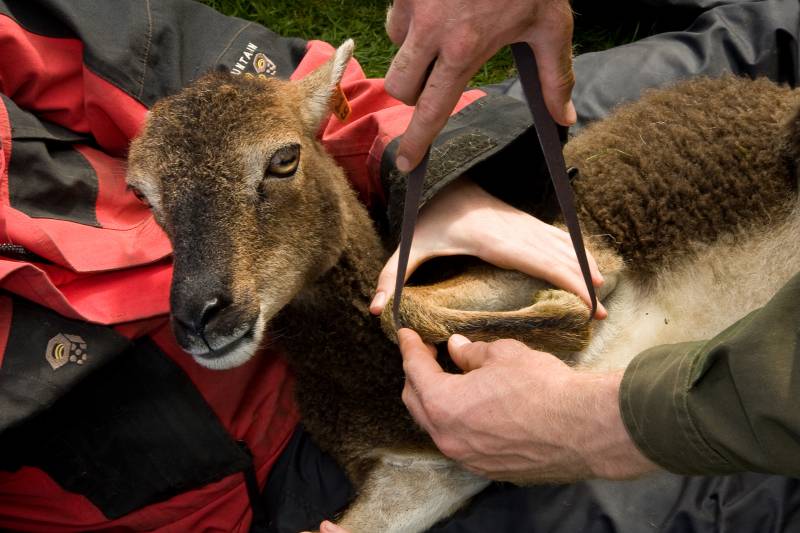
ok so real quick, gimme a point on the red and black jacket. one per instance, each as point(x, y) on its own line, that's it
point(104, 423)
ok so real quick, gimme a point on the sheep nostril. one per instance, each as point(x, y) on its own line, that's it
point(196, 319)
point(211, 308)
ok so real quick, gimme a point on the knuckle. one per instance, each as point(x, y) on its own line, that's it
point(476, 348)
point(466, 45)
point(436, 413)
point(394, 86)
point(449, 446)
point(406, 395)
point(391, 86)
point(395, 35)
point(506, 347)
point(496, 349)
point(427, 27)
point(396, 81)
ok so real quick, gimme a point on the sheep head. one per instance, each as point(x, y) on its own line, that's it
point(235, 175)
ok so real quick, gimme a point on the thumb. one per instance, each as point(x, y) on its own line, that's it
point(553, 51)
point(466, 354)
point(419, 359)
point(384, 289)
point(329, 527)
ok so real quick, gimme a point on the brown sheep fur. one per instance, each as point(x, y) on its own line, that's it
point(705, 157)
point(348, 385)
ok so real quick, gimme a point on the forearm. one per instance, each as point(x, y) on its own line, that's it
point(604, 441)
point(723, 405)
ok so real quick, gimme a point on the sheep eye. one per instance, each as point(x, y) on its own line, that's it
point(284, 162)
point(139, 195)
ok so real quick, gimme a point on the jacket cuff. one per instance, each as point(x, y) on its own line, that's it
point(654, 402)
point(491, 140)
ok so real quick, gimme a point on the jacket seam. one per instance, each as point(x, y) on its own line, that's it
point(146, 58)
point(231, 41)
point(701, 447)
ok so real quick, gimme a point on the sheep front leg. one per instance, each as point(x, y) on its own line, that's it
point(408, 492)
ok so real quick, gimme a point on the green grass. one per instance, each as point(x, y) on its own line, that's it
point(336, 20)
point(329, 20)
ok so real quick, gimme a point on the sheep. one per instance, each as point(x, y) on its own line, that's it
point(681, 195)
point(689, 191)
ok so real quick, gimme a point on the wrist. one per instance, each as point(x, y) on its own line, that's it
point(605, 444)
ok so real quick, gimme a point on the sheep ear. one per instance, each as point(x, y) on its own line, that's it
point(319, 87)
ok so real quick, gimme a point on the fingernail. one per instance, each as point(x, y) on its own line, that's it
point(402, 164)
point(378, 301)
point(570, 113)
point(457, 341)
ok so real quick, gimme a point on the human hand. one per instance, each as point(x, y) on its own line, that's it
point(517, 414)
point(463, 219)
point(329, 527)
point(457, 38)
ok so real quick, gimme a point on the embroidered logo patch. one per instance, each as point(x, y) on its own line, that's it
point(264, 65)
point(261, 65)
point(63, 349)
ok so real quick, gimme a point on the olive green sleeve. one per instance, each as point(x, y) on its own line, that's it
point(728, 404)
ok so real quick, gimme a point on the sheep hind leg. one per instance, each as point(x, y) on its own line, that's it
point(487, 304)
point(408, 492)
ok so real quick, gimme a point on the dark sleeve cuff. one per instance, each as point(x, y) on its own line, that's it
point(493, 141)
point(654, 406)
point(723, 405)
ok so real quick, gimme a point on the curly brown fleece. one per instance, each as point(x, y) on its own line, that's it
point(650, 174)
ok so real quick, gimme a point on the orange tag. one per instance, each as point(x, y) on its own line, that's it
point(341, 107)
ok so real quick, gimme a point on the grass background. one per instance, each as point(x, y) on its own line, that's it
point(598, 25)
